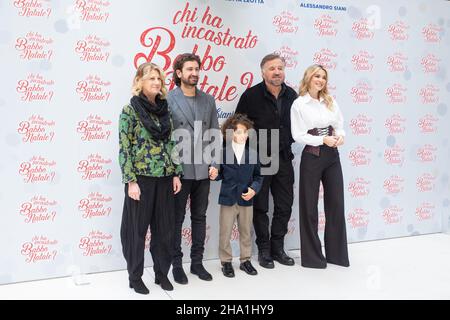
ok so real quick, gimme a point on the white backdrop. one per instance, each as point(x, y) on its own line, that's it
point(67, 68)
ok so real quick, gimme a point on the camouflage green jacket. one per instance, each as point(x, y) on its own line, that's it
point(141, 155)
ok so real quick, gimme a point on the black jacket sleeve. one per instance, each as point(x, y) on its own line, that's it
point(242, 106)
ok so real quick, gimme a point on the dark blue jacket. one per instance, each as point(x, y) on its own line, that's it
point(236, 178)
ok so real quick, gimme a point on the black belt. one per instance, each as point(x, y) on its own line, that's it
point(315, 150)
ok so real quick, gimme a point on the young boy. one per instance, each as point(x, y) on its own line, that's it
point(241, 180)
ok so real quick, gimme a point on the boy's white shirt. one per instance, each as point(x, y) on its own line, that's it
point(238, 149)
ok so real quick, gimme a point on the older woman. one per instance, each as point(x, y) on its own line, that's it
point(150, 175)
point(317, 122)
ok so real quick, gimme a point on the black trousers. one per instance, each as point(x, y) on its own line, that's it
point(313, 169)
point(281, 185)
point(198, 190)
point(155, 208)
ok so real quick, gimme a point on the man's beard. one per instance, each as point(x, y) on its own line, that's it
point(276, 82)
point(190, 81)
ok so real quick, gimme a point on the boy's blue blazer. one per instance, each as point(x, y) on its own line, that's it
point(236, 178)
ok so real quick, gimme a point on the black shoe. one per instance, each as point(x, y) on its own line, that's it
point(163, 282)
point(139, 286)
point(201, 272)
point(283, 258)
point(265, 261)
point(227, 269)
point(248, 268)
point(179, 276)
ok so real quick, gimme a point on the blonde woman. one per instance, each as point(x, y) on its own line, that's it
point(150, 176)
point(317, 122)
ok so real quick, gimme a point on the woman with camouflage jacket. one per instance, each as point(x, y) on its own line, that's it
point(150, 175)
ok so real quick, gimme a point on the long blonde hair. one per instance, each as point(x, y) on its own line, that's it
point(304, 84)
point(142, 72)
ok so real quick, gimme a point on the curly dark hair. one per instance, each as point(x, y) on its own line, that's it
point(233, 121)
point(179, 63)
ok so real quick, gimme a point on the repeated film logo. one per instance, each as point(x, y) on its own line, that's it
point(327, 58)
point(430, 63)
point(186, 235)
point(95, 205)
point(34, 46)
point(331, 89)
point(429, 94)
point(361, 125)
point(33, 8)
point(36, 129)
point(38, 209)
point(93, 48)
point(394, 155)
point(361, 92)
point(432, 33)
point(425, 182)
point(93, 10)
point(396, 94)
point(395, 124)
point(35, 88)
point(37, 169)
point(397, 62)
point(291, 226)
point(359, 188)
point(326, 26)
point(392, 215)
point(393, 184)
point(289, 55)
point(94, 128)
point(96, 243)
point(285, 22)
point(362, 29)
point(94, 167)
point(362, 61)
point(39, 249)
point(428, 124)
point(322, 221)
point(425, 211)
point(320, 191)
point(427, 153)
point(148, 239)
point(93, 88)
point(398, 31)
point(188, 202)
point(235, 232)
point(358, 218)
point(360, 156)
point(294, 86)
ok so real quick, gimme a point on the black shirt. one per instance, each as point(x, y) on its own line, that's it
point(268, 112)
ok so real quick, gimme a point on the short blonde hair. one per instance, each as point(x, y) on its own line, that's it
point(142, 72)
point(304, 84)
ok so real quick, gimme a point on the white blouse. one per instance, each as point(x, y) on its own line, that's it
point(308, 113)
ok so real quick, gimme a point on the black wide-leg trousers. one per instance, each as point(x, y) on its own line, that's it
point(313, 169)
point(155, 208)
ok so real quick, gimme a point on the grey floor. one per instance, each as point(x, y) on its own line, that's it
point(403, 268)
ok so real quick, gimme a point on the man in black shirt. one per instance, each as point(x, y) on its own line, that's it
point(268, 105)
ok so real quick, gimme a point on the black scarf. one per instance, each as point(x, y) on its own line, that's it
point(144, 108)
